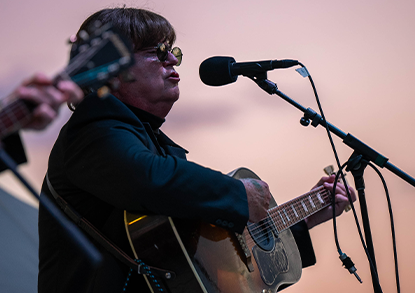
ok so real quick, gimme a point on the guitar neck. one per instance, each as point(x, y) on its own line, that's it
point(97, 59)
point(15, 115)
point(290, 213)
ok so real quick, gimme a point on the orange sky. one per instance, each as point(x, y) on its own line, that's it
point(360, 54)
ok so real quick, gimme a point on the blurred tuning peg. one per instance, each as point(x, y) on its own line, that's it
point(83, 35)
point(114, 84)
point(72, 39)
point(124, 76)
point(97, 24)
point(94, 28)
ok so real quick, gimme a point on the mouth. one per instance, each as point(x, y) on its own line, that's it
point(174, 76)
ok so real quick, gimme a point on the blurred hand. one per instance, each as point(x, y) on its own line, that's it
point(341, 201)
point(258, 195)
point(39, 90)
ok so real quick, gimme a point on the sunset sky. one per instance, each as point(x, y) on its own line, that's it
point(361, 57)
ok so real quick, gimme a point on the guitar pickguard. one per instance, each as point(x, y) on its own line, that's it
point(271, 263)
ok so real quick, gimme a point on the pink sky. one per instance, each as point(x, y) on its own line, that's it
point(360, 54)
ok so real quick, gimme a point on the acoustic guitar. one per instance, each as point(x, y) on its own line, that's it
point(209, 259)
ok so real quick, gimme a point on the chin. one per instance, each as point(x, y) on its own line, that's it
point(175, 96)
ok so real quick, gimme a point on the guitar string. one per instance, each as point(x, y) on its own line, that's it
point(254, 228)
point(17, 111)
point(14, 115)
point(264, 237)
point(277, 219)
point(296, 205)
point(7, 100)
point(311, 202)
point(294, 202)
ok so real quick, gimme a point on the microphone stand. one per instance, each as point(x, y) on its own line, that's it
point(74, 233)
point(357, 162)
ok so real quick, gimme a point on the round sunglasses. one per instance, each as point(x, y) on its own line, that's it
point(163, 50)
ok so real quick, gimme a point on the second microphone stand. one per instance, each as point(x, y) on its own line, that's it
point(357, 163)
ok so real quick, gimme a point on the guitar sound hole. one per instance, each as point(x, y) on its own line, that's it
point(262, 235)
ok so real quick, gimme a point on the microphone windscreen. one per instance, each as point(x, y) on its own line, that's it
point(216, 71)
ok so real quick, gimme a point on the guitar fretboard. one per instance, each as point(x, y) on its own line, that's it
point(13, 117)
point(290, 213)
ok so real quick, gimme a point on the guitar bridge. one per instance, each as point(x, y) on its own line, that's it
point(246, 251)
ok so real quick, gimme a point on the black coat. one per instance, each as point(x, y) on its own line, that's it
point(108, 158)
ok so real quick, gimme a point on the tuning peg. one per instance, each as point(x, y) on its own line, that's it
point(95, 28)
point(329, 170)
point(83, 35)
point(72, 39)
point(114, 84)
point(97, 24)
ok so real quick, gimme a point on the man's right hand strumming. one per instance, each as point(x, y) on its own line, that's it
point(258, 196)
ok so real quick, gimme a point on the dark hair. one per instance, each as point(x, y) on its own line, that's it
point(142, 27)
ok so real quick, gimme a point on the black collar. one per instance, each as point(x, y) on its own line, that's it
point(144, 116)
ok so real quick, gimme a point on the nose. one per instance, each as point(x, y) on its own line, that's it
point(171, 59)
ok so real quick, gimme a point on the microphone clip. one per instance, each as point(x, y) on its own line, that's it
point(261, 80)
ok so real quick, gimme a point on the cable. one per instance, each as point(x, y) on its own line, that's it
point(343, 179)
point(395, 254)
point(347, 262)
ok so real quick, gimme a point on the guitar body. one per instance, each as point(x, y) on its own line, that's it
point(206, 258)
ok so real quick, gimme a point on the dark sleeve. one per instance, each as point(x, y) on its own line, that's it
point(13, 146)
point(114, 163)
point(303, 240)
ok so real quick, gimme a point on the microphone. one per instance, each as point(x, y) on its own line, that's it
point(219, 70)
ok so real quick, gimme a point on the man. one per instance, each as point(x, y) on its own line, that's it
point(39, 91)
point(111, 156)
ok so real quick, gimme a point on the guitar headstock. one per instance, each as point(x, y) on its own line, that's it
point(329, 170)
point(97, 56)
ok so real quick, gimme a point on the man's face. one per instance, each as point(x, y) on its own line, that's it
point(157, 83)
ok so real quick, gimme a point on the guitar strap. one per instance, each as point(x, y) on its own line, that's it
point(141, 268)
